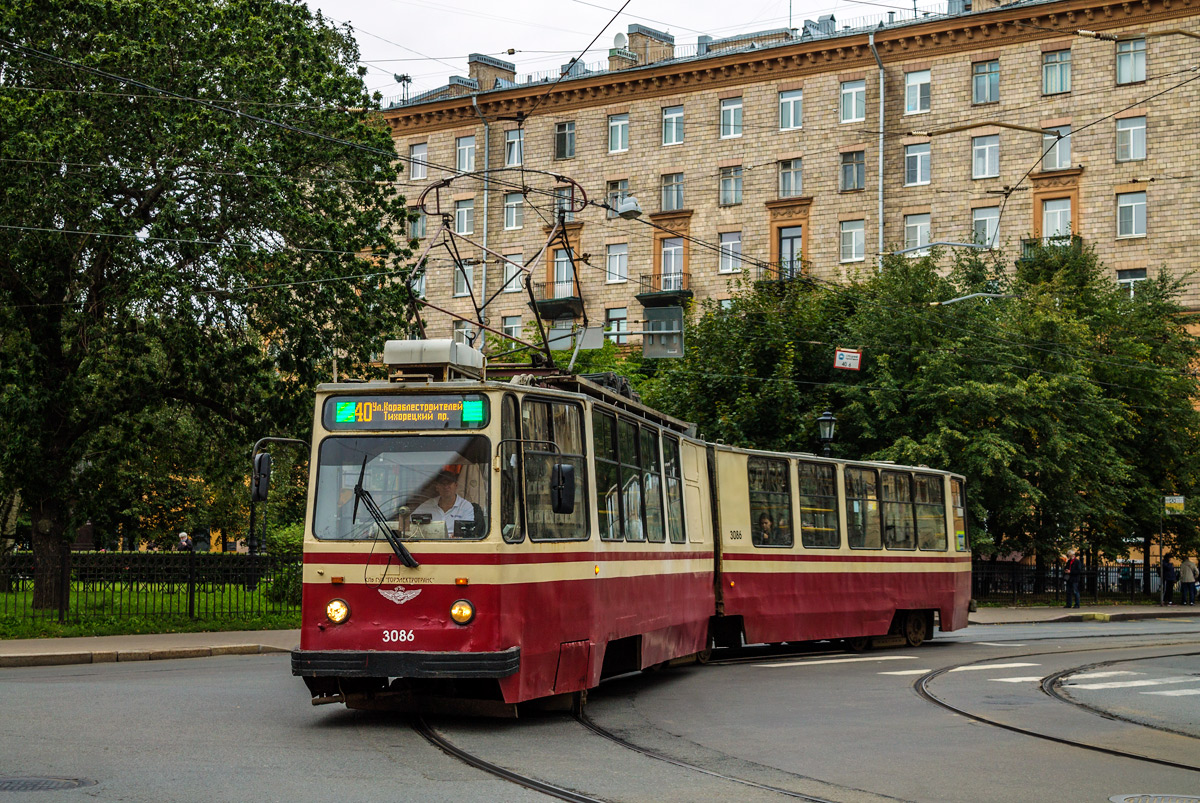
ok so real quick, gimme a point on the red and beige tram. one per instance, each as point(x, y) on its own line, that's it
point(504, 541)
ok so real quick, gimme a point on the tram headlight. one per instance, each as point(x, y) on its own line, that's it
point(462, 612)
point(338, 611)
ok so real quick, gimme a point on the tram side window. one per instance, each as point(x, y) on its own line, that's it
point(770, 502)
point(510, 472)
point(631, 480)
point(899, 532)
point(959, 502)
point(930, 507)
point(652, 486)
point(674, 483)
point(608, 489)
point(818, 505)
point(862, 509)
point(558, 423)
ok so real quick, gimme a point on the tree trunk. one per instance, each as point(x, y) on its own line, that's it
point(50, 549)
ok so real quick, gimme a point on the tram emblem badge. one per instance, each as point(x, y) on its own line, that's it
point(398, 595)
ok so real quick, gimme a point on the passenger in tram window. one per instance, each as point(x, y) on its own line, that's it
point(463, 519)
point(764, 533)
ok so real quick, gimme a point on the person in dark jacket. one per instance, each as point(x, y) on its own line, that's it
point(1074, 573)
point(1168, 580)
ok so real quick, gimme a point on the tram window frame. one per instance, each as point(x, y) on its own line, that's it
point(958, 502)
point(560, 415)
point(652, 498)
point(901, 506)
point(630, 474)
point(925, 488)
point(673, 486)
point(604, 448)
point(857, 520)
point(831, 536)
point(512, 496)
point(769, 499)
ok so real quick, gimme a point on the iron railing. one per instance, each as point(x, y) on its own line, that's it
point(548, 291)
point(1031, 247)
point(153, 585)
point(1020, 584)
point(664, 282)
point(780, 271)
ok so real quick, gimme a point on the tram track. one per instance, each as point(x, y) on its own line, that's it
point(1047, 684)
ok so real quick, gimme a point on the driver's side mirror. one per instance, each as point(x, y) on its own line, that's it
point(260, 483)
point(562, 488)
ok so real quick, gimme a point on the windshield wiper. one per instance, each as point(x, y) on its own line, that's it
point(361, 494)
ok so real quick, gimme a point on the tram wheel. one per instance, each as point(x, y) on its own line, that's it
point(916, 628)
point(857, 644)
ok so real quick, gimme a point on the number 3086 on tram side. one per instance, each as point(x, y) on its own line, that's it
point(503, 541)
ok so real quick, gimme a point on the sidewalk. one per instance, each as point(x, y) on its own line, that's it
point(108, 649)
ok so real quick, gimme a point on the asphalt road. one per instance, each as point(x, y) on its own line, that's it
point(839, 726)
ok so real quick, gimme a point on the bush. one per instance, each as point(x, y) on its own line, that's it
point(286, 542)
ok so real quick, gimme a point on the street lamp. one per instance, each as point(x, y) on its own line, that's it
point(826, 424)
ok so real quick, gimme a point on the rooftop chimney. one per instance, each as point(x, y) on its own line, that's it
point(488, 71)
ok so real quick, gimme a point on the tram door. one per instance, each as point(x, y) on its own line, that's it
point(790, 244)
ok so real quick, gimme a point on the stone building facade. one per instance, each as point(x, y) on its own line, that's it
point(757, 157)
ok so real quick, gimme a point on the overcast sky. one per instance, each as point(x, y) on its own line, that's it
point(430, 39)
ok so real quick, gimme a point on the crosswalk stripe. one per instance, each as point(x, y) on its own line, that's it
point(981, 667)
point(1097, 675)
point(908, 672)
point(844, 660)
point(998, 644)
point(1173, 692)
point(1132, 684)
point(1016, 680)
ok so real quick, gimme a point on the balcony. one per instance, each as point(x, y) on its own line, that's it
point(556, 299)
point(1050, 245)
point(664, 289)
point(780, 271)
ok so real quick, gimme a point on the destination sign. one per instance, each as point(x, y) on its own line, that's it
point(443, 411)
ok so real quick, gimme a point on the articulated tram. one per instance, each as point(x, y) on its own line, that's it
point(501, 540)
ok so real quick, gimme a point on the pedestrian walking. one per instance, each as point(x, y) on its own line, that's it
point(1074, 573)
point(1187, 581)
point(1168, 580)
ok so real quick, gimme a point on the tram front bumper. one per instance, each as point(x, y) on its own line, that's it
point(381, 664)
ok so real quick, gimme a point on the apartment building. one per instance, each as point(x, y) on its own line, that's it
point(814, 150)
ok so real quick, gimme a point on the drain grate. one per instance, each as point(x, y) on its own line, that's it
point(42, 784)
point(1143, 798)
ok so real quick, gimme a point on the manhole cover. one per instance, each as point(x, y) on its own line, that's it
point(1143, 798)
point(42, 784)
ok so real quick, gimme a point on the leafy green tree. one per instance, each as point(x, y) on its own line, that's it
point(177, 254)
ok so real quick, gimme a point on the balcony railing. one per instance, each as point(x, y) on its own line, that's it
point(663, 289)
point(780, 271)
point(550, 291)
point(1031, 247)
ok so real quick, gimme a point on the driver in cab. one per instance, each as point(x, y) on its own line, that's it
point(447, 506)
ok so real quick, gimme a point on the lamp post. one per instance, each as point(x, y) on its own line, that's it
point(826, 424)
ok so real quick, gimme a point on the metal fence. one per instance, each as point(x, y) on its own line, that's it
point(208, 586)
point(1019, 584)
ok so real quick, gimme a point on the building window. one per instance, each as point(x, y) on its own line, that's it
point(417, 161)
point(464, 217)
point(564, 140)
point(418, 285)
point(416, 225)
point(511, 326)
point(617, 262)
point(854, 240)
point(731, 252)
point(731, 118)
point(854, 170)
point(616, 191)
point(916, 164)
point(854, 101)
point(916, 92)
point(512, 272)
point(1057, 147)
point(1131, 279)
point(672, 192)
point(791, 251)
point(791, 109)
point(514, 147)
point(985, 224)
point(618, 133)
point(789, 178)
point(464, 333)
point(562, 204)
point(464, 279)
point(672, 125)
point(1131, 61)
point(731, 186)
point(985, 81)
point(514, 210)
point(672, 264)
point(1131, 139)
point(985, 156)
point(1131, 214)
point(464, 150)
point(916, 233)
point(1056, 220)
point(616, 321)
point(564, 275)
point(1056, 72)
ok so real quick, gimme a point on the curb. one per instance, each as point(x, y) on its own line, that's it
point(121, 656)
point(1090, 617)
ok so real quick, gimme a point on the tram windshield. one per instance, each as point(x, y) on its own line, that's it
point(428, 487)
